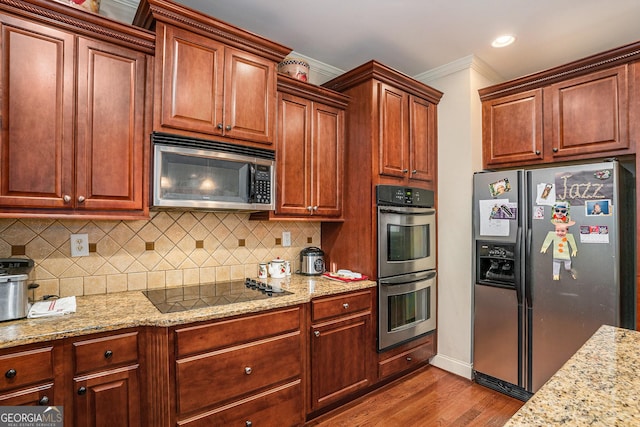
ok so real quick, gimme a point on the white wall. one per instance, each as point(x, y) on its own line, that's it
point(459, 155)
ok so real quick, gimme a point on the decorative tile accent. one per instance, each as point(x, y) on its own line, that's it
point(185, 248)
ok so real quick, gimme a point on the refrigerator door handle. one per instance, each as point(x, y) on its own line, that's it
point(517, 268)
point(527, 271)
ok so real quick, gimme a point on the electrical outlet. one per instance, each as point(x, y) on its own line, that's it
point(79, 245)
point(286, 238)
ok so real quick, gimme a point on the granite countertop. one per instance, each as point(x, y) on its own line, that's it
point(599, 385)
point(99, 313)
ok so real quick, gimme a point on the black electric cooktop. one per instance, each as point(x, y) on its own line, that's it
point(171, 300)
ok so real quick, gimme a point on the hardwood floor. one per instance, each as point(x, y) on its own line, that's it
point(427, 397)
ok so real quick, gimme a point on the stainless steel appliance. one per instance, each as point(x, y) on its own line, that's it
point(549, 268)
point(14, 287)
point(312, 261)
point(197, 173)
point(406, 264)
point(182, 298)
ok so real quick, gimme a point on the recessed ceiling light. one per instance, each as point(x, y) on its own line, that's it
point(504, 40)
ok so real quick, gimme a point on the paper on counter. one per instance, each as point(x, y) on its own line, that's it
point(53, 307)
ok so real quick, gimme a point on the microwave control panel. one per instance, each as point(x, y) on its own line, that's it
point(262, 184)
point(392, 195)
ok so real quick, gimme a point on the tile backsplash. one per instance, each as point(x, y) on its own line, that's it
point(171, 248)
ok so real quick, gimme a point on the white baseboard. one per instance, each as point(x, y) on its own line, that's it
point(454, 366)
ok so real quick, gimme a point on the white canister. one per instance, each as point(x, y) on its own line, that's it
point(262, 270)
point(276, 269)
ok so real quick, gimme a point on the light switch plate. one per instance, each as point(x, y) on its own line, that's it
point(79, 245)
point(286, 238)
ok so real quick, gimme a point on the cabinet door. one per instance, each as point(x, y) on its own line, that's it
point(590, 113)
point(512, 129)
point(339, 359)
point(36, 142)
point(110, 126)
point(422, 139)
point(111, 398)
point(250, 97)
point(393, 147)
point(191, 80)
point(327, 160)
point(293, 190)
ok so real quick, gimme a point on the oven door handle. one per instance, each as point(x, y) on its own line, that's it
point(414, 212)
point(406, 279)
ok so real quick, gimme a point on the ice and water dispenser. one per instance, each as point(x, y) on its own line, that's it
point(495, 264)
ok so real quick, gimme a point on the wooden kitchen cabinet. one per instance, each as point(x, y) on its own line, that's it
point(341, 347)
point(106, 385)
point(73, 134)
point(31, 376)
point(242, 370)
point(212, 79)
point(568, 118)
point(309, 152)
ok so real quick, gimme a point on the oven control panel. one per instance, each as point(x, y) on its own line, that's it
point(392, 195)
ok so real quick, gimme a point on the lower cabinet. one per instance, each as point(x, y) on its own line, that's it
point(406, 357)
point(243, 371)
point(341, 343)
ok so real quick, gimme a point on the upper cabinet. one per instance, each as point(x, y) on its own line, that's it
point(578, 111)
point(393, 125)
point(74, 120)
point(211, 79)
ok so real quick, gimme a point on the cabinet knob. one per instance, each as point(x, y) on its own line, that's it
point(108, 354)
point(248, 423)
point(309, 208)
point(405, 170)
point(555, 149)
point(345, 305)
point(81, 199)
point(219, 126)
point(415, 171)
point(409, 358)
point(316, 333)
point(315, 208)
point(248, 370)
point(11, 373)
point(66, 198)
point(537, 152)
point(82, 391)
point(44, 400)
point(228, 127)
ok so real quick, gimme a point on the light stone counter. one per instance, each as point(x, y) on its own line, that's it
point(99, 313)
point(598, 386)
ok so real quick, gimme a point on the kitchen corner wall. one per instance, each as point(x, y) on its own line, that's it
point(172, 248)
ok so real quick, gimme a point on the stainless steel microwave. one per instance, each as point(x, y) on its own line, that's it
point(201, 174)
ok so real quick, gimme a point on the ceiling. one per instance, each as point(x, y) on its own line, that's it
point(416, 36)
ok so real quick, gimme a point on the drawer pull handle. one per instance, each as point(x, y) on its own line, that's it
point(248, 370)
point(227, 128)
point(43, 401)
point(415, 171)
point(409, 359)
point(82, 391)
point(248, 423)
point(345, 305)
point(537, 152)
point(11, 373)
point(555, 149)
point(108, 354)
point(316, 333)
point(66, 198)
point(405, 170)
point(219, 126)
point(81, 199)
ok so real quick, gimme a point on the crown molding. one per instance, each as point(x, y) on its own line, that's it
point(468, 62)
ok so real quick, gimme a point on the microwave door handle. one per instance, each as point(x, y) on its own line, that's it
point(252, 182)
point(391, 211)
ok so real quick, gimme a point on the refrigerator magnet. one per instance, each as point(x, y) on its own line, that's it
point(598, 207)
point(545, 194)
point(538, 212)
point(594, 234)
point(563, 242)
point(499, 187)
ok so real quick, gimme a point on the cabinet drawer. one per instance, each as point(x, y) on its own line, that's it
point(26, 367)
point(340, 305)
point(105, 352)
point(228, 374)
point(281, 406)
point(212, 336)
point(41, 394)
point(407, 359)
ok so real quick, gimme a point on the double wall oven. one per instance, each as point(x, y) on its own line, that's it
point(406, 264)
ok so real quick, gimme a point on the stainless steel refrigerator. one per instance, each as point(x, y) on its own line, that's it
point(554, 258)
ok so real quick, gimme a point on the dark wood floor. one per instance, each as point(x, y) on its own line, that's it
point(427, 397)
